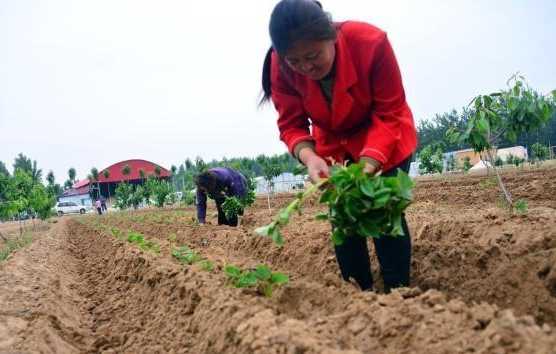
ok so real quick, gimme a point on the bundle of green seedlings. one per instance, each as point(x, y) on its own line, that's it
point(138, 239)
point(233, 206)
point(187, 256)
point(358, 204)
point(261, 278)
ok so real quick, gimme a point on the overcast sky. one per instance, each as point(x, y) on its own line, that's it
point(91, 83)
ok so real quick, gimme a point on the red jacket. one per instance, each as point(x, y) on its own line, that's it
point(368, 116)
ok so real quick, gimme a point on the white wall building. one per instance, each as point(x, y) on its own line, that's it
point(286, 182)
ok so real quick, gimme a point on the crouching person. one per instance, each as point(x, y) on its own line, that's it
point(218, 183)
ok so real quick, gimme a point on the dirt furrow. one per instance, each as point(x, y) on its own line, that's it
point(147, 303)
point(42, 310)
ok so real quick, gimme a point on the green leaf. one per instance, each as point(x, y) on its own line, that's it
point(321, 216)
point(207, 265)
point(397, 229)
point(284, 216)
point(327, 196)
point(277, 237)
point(406, 185)
point(262, 272)
point(232, 271)
point(279, 278)
point(367, 188)
point(521, 206)
point(381, 201)
point(338, 237)
point(247, 280)
point(265, 230)
point(368, 228)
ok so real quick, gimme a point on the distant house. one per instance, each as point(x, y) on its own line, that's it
point(286, 182)
point(475, 159)
point(516, 151)
point(78, 194)
point(82, 190)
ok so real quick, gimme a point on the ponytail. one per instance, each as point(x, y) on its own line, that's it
point(266, 84)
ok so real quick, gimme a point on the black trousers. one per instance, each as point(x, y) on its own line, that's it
point(222, 219)
point(394, 254)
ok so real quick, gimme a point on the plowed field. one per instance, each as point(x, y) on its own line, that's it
point(482, 282)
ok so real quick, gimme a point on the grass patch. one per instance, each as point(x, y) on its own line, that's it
point(15, 244)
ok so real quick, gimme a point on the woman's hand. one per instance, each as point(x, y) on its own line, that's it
point(371, 166)
point(316, 165)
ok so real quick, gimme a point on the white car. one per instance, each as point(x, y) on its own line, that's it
point(71, 208)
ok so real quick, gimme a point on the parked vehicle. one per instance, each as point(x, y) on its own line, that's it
point(71, 208)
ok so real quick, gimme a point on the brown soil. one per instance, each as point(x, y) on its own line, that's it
point(484, 282)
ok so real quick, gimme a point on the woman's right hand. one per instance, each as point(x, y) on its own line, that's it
point(317, 167)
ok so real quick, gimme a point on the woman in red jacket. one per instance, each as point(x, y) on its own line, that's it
point(339, 96)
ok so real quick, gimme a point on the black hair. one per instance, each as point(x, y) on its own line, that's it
point(206, 180)
point(209, 181)
point(291, 21)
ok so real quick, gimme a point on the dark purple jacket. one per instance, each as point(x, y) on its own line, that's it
point(232, 183)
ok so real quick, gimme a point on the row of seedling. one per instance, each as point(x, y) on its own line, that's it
point(133, 237)
point(261, 278)
point(187, 256)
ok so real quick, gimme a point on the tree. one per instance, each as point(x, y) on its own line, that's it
point(68, 184)
point(137, 196)
point(71, 174)
point(53, 189)
point(271, 169)
point(22, 185)
point(25, 164)
point(504, 114)
point(94, 177)
point(433, 131)
point(50, 178)
point(451, 163)
point(123, 195)
point(36, 173)
point(41, 202)
point(160, 190)
point(157, 171)
point(540, 152)
point(200, 165)
point(142, 175)
point(431, 160)
point(188, 164)
point(3, 169)
point(6, 207)
point(106, 174)
point(150, 186)
point(466, 163)
point(126, 170)
point(173, 169)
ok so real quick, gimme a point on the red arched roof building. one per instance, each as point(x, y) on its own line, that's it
point(116, 174)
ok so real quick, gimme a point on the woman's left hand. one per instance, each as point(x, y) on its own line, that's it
point(371, 166)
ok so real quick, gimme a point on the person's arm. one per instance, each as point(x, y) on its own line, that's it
point(201, 206)
point(389, 107)
point(293, 123)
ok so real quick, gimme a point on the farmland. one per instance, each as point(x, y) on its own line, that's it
point(483, 281)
